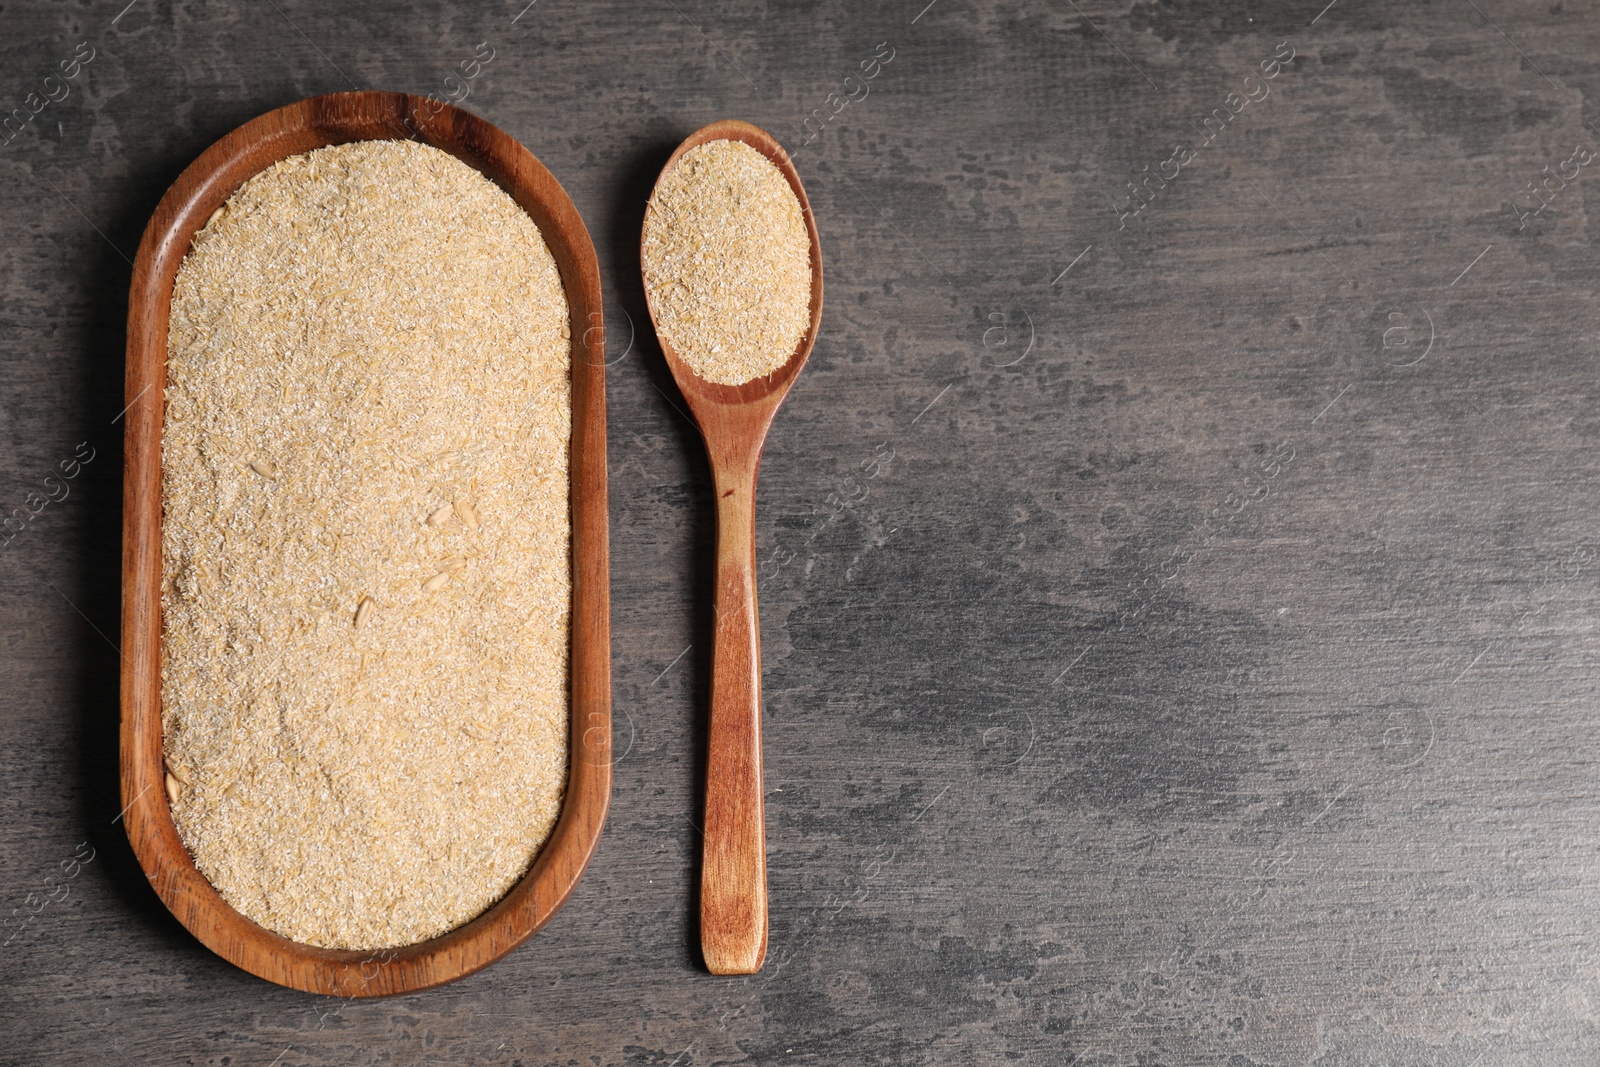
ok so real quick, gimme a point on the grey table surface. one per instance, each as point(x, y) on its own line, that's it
point(1178, 603)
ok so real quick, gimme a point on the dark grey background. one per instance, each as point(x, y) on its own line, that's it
point(1209, 676)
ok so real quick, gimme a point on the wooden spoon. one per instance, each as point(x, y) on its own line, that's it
point(734, 420)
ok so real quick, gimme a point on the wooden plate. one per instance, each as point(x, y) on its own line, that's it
point(200, 190)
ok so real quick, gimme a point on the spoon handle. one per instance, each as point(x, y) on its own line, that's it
point(733, 878)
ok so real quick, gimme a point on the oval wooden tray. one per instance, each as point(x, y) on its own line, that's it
point(199, 191)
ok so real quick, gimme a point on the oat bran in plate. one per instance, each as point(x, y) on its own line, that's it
point(365, 545)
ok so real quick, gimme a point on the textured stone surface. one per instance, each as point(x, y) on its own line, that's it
point(1172, 661)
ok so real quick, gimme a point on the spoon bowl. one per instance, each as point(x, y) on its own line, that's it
point(734, 420)
point(707, 397)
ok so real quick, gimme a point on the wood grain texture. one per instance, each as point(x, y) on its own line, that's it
point(734, 421)
point(1099, 729)
point(198, 192)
